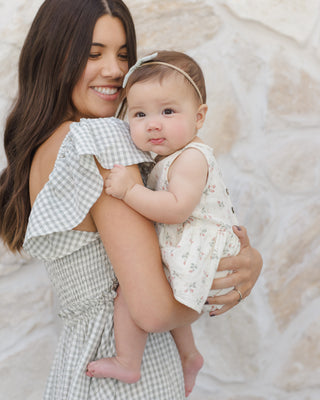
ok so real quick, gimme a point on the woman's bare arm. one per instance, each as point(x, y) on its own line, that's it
point(132, 246)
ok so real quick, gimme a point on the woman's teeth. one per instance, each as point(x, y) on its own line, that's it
point(106, 90)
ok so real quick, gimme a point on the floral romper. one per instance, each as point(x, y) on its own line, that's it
point(191, 251)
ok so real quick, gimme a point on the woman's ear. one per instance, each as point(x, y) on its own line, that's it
point(201, 115)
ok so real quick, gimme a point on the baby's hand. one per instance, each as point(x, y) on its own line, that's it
point(118, 182)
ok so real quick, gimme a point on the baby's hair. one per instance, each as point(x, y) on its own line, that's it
point(151, 70)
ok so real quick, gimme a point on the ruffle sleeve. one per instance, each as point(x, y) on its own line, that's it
point(75, 184)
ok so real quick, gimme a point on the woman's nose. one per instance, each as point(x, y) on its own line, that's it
point(111, 69)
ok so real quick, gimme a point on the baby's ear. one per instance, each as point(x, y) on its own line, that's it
point(201, 115)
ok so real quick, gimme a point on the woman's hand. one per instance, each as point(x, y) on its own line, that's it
point(246, 267)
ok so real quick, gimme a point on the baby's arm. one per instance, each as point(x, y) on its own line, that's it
point(187, 178)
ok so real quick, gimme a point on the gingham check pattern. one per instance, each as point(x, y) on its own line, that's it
point(82, 275)
point(75, 183)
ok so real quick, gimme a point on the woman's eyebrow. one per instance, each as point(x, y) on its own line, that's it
point(103, 45)
point(97, 44)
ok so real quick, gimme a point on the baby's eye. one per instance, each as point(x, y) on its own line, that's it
point(140, 114)
point(168, 111)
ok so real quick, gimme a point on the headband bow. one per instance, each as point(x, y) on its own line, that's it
point(138, 64)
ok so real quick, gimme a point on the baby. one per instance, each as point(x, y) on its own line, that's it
point(186, 197)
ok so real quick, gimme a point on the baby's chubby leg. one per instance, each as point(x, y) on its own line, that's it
point(191, 359)
point(130, 342)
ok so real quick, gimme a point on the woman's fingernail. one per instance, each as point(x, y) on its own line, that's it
point(206, 302)
point(238, 227)
point(212, 315)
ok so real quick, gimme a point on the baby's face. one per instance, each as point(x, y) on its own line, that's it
point(163, 116)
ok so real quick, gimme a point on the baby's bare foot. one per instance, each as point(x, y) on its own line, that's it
point(112, 368)
point(191, 365)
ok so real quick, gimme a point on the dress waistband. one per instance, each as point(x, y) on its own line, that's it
point(87, 307)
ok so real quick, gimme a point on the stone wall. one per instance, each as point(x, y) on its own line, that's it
point(261, 61)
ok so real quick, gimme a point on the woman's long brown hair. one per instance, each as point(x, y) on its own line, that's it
point(51, 62)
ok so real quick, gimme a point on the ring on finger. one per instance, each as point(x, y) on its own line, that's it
point(240, 294)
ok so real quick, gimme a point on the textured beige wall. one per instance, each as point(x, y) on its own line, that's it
point(261, 61)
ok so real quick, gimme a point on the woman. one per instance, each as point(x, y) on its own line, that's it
point(72, 66)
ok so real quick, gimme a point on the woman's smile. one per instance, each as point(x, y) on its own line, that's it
point(107, 93)
point(106, 90)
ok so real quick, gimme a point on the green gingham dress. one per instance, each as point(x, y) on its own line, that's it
point(82, 275)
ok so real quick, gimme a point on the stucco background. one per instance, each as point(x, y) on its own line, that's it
point(261, 60)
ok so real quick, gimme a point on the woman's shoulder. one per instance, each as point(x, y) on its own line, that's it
point(44, 159)
point(50, 148)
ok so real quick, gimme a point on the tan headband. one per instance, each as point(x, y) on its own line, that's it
point(187, 76)
point(147, 61)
